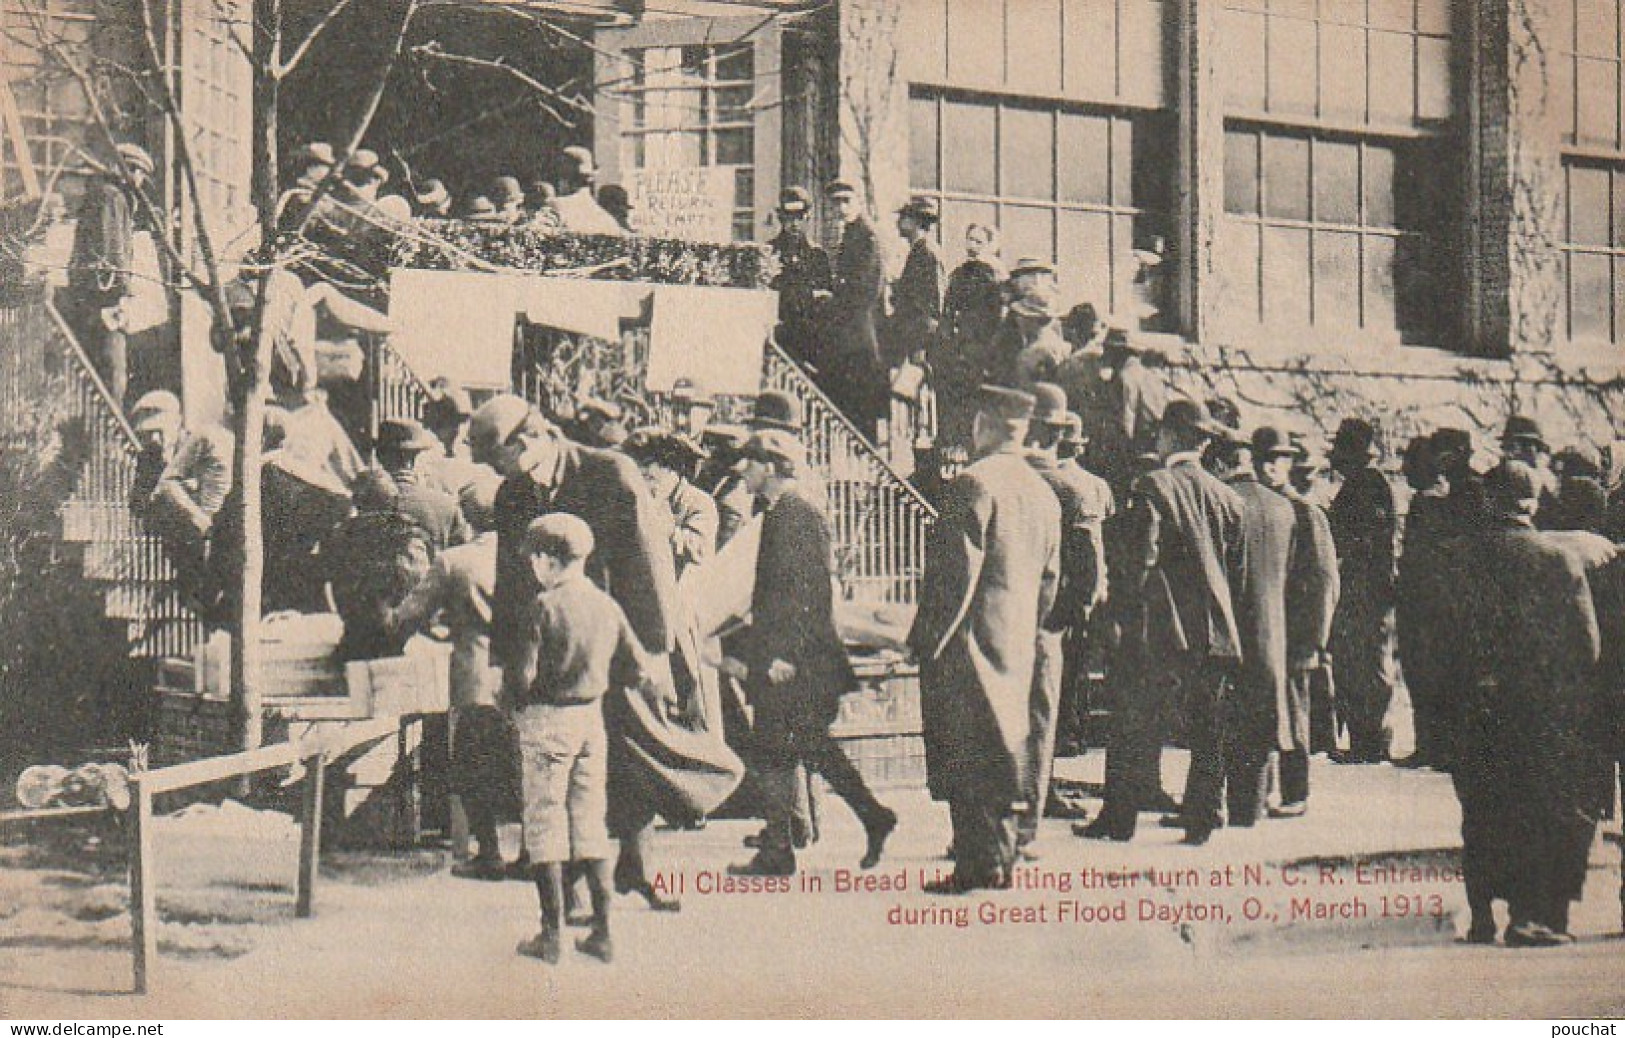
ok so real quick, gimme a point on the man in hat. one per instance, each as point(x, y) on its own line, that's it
point(1181, 542)
point(1522, 440)
point(182, 478)
point(1230, 747)
point(1531, 779)
point(1365, 526)
point(667, 461)
point(1132, 397)
point(449, 466)
point(804, 280)
point(735, 503)
point(1032, 276)
point(102, 262)
point(1085, 504)
point(545, 472)
point(1311, 600)
point(617, 202)
point(404, 447)
point(1424, 589)
point(575, 206)
point(916, 295)
point(482, 210)
point(458, 587)
point(509, 198)
point(433, 200)
point(600, 423)
point(310, 164)
point(1453, 456)
point(792, 661)
point(371, 561)
point(851, 371)
point(992, 571)
point(1040, 348)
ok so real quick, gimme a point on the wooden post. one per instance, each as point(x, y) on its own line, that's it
point(143, 894)
point(310, 836)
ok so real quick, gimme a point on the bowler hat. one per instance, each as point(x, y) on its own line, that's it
point(401, 435)
point(777, 410)
point(1356, 438)
point(1523, 428)
point(1270, 442)
point(921, 207)
point(794, 201)
point(581, 158)
point(1012, 405)
point(605, 408)
point(1049, 404)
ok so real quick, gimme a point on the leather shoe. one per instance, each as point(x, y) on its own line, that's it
point(544, 946)
point(1197, 836)
point(1162, 804)
point(1535, 935)
point(765, 865)
point(1174, 821)
point(488, 869)
point(1480, 933)
point(647, 891)
point(597, 944)
point(1297, 810)
point(1105, 828)
point(877, 834)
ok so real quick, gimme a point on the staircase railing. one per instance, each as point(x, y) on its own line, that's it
point(880, 520)
point(401, 394)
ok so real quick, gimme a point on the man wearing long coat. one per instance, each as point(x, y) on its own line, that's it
point(992, 570)
point(1257, 719)
point(1531, 778)
point(850, 370)
point(1181, 549)
point(655, 767)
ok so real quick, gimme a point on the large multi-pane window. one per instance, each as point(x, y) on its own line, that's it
point(1337, 166)
point(55, 119)
point(1077, 185)
point(1589, 62)
point(692, 106)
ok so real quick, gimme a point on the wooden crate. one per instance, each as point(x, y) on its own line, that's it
point(879, 725)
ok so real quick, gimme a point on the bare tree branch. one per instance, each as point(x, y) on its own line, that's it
point(283, 68)
point(223, 16)
point(433, 50)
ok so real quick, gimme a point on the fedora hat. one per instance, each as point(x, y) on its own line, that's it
point(1049, 404)
point(777, 410)
point(1011, 405)
point(1356, 438)
point(1522, 428)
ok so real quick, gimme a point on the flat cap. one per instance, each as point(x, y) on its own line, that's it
point(496, 420)
point(1522, 427)
point(838, 188)
point(1451, 441)
point(725, 435)
point(773, 444)
point(561, 535)
point(318, 153)
point(1012, 405)
point(405, 434)
point(795, 201)
point(507, 191)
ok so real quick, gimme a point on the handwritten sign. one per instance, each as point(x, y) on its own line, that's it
point(692, 203)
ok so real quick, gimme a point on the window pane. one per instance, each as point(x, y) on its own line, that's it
point(1433, 16)
point(1142, 49)
point(1084, 263)
point(1238, 271)
point(1619, 299)
point(1433, 78)
point(1122, 162)
point(1286, 177)
point(976, 42)
point(1286, 277)
point(1337, 280)
point(1337, 182)
point(1291, 66)
point(1035, 45)
point(1590, 295)
point(1392, 78)
point(969, 160)
point(1596, 27)
point(745, 188)
point(1343, 12)
point(922, 143)
point(1084, 156)
point(733, 104)
point(1380, 312)
point(1026, 153)
point(1342, 71)
point(1588, 206)
point(1027, 231)
point(1618, 180)
point(1392, 14)
point(734, 148)
point(1123, 268)
point(1091, 64)
point(1241, 173)
point(1241, 41)
point(1597, 87)
point(1293, 8)
point(1379, 187)
point(734, 62)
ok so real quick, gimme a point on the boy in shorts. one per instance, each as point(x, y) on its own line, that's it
point(577, 645)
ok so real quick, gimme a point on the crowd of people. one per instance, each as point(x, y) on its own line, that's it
point(1241, 598)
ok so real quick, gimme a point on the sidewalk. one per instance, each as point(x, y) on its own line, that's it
point(438, 946)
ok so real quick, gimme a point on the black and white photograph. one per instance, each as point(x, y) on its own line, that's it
point(568, 509)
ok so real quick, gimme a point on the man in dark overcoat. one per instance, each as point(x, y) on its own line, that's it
point(916, 295)
point(1181, 549)
point(1532, 778)
point(100, 267)
point(992, 569)
point(1311, 599)
point(851, 372)
point(656, 767)
point(794, 665)
point(1425, 624)
point(1365, 525)
point(1256, 720)
point(803, 282)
